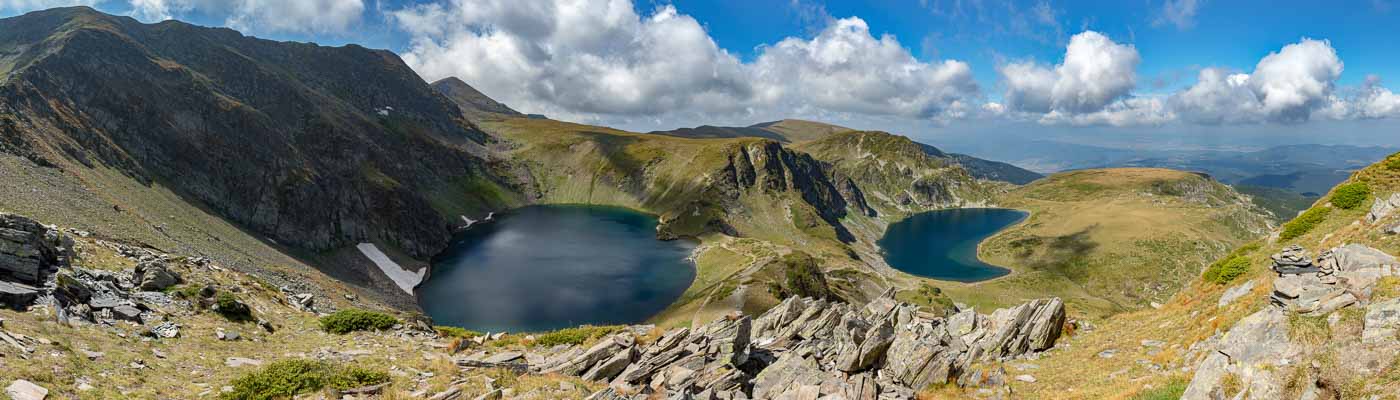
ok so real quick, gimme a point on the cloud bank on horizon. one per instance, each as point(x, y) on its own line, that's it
point(605, 61)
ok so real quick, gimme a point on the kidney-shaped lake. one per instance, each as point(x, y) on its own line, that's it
point(549, 267)
point(943, 244)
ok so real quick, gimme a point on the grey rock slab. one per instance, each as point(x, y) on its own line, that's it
point(25, 390)
point(1382, 322)
point(1234, 293)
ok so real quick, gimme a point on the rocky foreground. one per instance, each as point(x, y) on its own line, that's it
point(1263, 355)
point(804, 349)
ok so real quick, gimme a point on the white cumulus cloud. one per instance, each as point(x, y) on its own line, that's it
point(1095, 73)
point(597, 58)
point(846, 69)
point(256, 16)
point(1287, 86)
point(23, 6)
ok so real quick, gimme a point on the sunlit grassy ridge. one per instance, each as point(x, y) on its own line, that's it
point(1193, 315)
point(1113, 240)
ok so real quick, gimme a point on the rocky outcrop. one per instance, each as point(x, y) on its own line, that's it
point(806, 348)
point(1383, 208)
point(29, 255)
point(1250, 354)
point(1256, 357)
point(30, 251)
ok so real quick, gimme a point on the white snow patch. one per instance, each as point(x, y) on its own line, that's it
point(406, 279)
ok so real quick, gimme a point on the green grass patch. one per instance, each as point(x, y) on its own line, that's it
point(352, 320)
point(1304, 223)
point(1351, 195)
point(1393, 163)
point(1171, 391)
point(288, 378)
point(455, 332)
point(574, 336)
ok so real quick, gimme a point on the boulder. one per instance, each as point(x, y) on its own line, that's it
point(1355, 257)
point(917, 357)
point(603, 350)
point(875, 341)
point(790, 370)
point(155, 276)
point(17, 296)
point(1383, 208)
point(1251, 350)
point(25, 390)
point(1382, 323)
point(30, 251)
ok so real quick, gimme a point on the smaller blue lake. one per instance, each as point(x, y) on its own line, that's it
point(549, 267)
point(943, 244)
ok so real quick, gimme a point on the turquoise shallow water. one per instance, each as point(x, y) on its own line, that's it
point(943, 244)
point(549, 267)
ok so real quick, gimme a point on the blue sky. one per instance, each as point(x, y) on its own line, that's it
point(944, 69)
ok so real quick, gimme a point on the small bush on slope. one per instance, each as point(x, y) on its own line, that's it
point(1304, 223)
point(455, 332)
point(804, 277)
point(350, 320)
point(1227, 270)
point(228, 306)
point(572, 336)
point(1351, 195)
point(288, 378)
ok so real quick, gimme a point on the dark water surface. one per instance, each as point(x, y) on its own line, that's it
point(549, 267)
point(943, 244)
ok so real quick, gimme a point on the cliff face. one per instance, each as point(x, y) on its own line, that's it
point(312, 146)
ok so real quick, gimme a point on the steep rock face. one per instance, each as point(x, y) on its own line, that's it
point(316, 147)
point(897, 175)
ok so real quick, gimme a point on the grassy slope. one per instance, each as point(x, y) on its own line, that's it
point(1192, 315)
point(193, 365)
point(1112, 240)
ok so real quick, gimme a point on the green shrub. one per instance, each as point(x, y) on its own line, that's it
point(1351, 195)
point(804, 277)
point(1393, 163)
point(228, 306)
point(1304, 223)
point(1171, 391)
point(288, 378)
point(1225, 271)
point(455, 332)
point(351, 320)
point(573, 336)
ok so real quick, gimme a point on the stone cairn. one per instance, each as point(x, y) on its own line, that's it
point(1337, 278)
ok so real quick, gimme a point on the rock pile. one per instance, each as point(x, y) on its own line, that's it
point(1342, 276)
point(1293, 260)
point(803, 347)
point(29, 253)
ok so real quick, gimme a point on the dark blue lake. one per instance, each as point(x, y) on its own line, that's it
point(549, 267)
point(943, 244)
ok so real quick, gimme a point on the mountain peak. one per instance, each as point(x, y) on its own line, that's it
point(470, 99)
